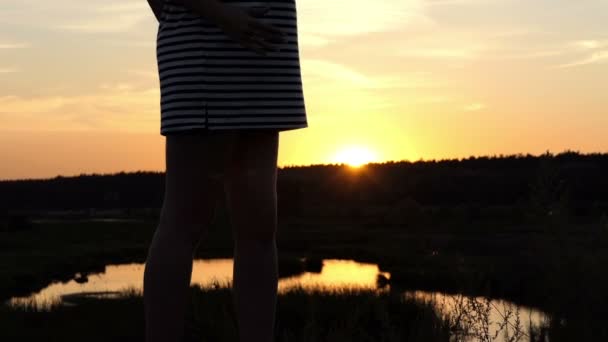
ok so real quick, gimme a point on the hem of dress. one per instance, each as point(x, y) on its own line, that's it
point(203, 129)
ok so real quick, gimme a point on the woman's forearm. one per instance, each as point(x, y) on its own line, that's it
point(156, 7)
point(209, 9)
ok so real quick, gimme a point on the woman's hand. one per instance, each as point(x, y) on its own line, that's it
point(241, 25)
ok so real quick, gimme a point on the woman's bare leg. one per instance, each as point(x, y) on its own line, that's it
point(252, 200)
point(192, 186)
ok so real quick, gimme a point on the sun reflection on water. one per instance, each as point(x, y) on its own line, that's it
point(334, 274)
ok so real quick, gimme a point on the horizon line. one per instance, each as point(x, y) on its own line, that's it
point(547, 153)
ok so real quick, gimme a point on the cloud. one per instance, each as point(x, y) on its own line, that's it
point(92, 16)
point(110, 18)
point(342, 90)
point(454, 2)
point(5, 45)
point(322, 18)
point(123, 6)
point(588, 44)
point(582, 51)
point(474, 107)
point(433, 99)
point(324, 71)
point(120, 107)
point(146, 74)
point(119, 87)
point(439, 43)
point(150, 43)
point(596, 57)
point(438, 52)
point(8, 70)
point(531, 54)
point(313, 40)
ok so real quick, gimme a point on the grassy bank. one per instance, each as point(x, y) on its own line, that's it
point(47, 252)
point(346, 315)
point(552, 265)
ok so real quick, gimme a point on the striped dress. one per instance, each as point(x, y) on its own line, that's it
point(209, 81)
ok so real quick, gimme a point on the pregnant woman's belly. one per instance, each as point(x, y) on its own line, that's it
point(209, 80)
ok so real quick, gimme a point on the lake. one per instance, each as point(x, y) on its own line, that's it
point(334, 274)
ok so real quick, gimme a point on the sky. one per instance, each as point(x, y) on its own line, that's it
point(383, 80)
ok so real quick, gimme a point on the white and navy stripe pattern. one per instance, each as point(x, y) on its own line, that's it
point(210, 81)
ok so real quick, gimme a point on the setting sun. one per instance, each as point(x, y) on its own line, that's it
point(356, 156)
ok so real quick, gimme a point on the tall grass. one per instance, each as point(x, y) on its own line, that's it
point(302, 316)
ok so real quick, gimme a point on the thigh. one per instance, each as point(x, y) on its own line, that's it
point(251, 183)
point(195, 164)
point(254, 151)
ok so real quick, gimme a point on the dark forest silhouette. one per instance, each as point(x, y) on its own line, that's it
point(500, 182)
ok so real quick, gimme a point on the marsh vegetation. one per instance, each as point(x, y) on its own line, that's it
point(532, 230)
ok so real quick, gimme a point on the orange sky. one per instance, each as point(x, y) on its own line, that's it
point(399, 79)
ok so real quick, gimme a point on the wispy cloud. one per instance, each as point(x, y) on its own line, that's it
point(454, 2)
point(147, 74)
point(438, 52)
point(579, 52)
point(124, 6)
point(474, 107)
point(433, 99)
point(583, 52)
point(324, 71)
point(322, 18)
point(529, 54)
point(12, 45)
point(596, 57)
point(588, 44)
point(110, 18)
point(93, 16)
point(313, 40)
point(8, 70)
point(112, 107)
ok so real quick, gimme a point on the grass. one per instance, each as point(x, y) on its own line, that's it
point(56, 251)
point(302, 316)
point(553, 265)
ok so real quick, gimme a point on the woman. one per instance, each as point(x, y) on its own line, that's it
point(230, 82)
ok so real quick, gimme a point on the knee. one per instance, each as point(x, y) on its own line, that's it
point(255, 232)
point(252, 185)
point(258, 222)
point(253, 209)
point(186, 225)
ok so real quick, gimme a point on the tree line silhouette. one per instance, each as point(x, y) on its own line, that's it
point(537, 182)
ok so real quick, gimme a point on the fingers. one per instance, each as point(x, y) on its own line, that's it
point(264, 37)
point(259, 35)
point(267, 30)
point(250, 40)
point(255, 44)
point(254, 48)
point(266, 45)
point(258, 11)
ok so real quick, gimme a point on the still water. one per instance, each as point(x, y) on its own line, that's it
point(206, 273)
point(334, 274)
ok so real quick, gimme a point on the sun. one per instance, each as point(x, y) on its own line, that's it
point(355, 156)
